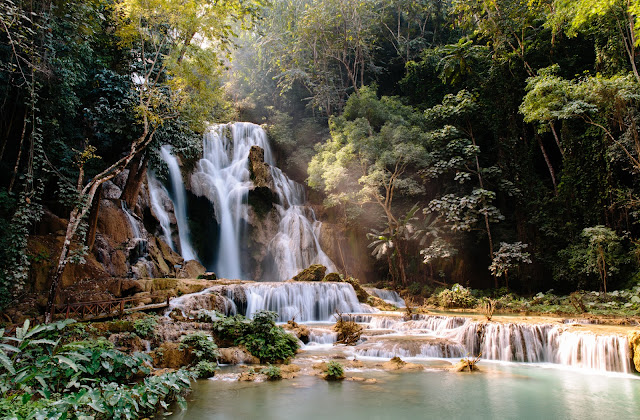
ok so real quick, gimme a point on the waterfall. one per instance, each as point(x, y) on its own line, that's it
point(223, 177)
point(296, 231)
point(133, 221)
point(180, 202)
point(138, 249)
point(300, 300)
point(158, 194)
point(390, 296)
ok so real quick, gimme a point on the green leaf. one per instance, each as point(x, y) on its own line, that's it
point(67, 361)
point(6, 362)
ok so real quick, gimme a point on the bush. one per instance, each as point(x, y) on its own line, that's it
point(202, 346)
point(260, 336)
point(349, 332)
point(46, 378)
point(334, 371)
point(273, 372)
point(456, 297)
point(205, 369)
point(145, 327)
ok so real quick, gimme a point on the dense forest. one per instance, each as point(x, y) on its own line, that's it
point(210, 184)
point(493, 143)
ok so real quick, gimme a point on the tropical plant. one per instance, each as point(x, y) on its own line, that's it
point(205, 369)
point(261, 336)
point(334, 371)
point(78, 379)
point(273, 372)
point(145, 327)
point(201, 345)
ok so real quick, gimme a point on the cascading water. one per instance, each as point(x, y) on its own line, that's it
point(301, 301)
point(179, 203)
point(296, 231)
point(223, 177)
point(158, 194)
point(138, 246)
point(389, 296)
point(133, 221)
point(443, 336)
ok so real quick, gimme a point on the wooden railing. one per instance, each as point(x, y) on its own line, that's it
point(104, 308)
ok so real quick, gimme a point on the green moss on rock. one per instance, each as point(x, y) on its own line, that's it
point(335, 277)
point(314, 272)
point(362, 294)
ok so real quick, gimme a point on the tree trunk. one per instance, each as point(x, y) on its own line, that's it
point(93, 219)
point(137, 172)
point(78, 212)
point(391, 271)
point(557, 138)
point(486, 216)
point(549, 165)
point(15, 169)
point(403, 275)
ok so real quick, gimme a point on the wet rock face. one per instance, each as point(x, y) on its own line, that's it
point(302, 332)
point(314, 272)
point(170, 355)
point(236, 356)
point(258, 169)
point(634, 343)
point(191, 269)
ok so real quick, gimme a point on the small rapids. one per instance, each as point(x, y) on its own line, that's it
point(388, 334)
point(389, 296)
point(434, 336)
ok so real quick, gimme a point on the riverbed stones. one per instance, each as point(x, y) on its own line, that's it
point(465, 366)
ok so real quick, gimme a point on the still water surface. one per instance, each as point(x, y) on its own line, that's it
point(501, 391)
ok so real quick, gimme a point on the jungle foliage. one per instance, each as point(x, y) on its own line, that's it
point(472, 141)
point(45, 374)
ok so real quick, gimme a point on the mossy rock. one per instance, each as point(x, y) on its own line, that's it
point(170, 355)
point(314, 272)
point(362, 294)
point(113, 327)
point(376, 302)
point(210, 275)
point(335, 277)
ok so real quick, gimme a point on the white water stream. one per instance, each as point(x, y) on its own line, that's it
point(179, 203)
point(223, 177)
point(158, 195)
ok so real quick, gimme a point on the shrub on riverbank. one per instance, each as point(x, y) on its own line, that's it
point(260, 336)
point(618, 302)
